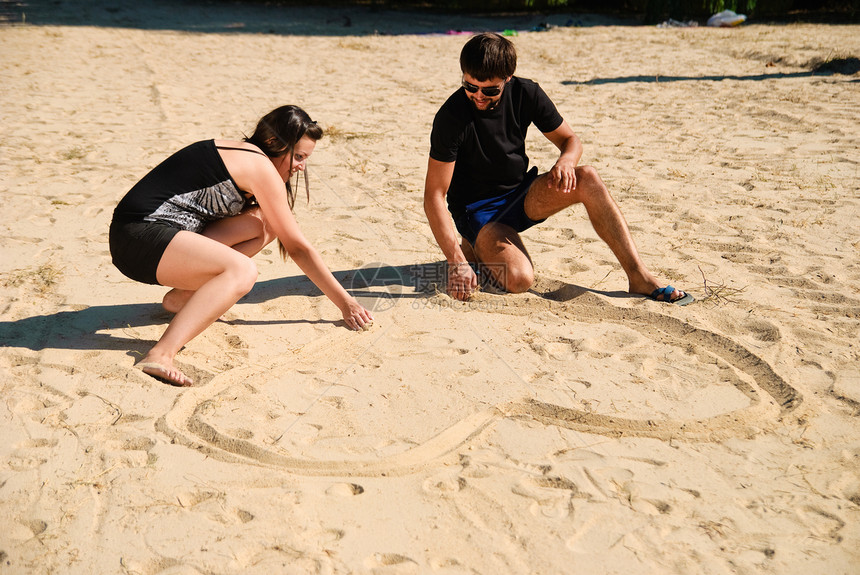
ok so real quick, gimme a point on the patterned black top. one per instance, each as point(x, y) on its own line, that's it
point(187, 190)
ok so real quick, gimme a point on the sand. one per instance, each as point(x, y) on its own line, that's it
point(569, 429)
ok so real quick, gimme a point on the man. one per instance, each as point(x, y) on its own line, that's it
point(479, 163)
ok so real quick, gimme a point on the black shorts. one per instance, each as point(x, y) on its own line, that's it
point(137, 247)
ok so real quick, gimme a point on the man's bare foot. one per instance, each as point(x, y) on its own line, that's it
point(167, 373)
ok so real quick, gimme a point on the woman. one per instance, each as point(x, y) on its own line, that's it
point(194, 222)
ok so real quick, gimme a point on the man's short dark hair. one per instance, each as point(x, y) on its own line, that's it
point(487, 56)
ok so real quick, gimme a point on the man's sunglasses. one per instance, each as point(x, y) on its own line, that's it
point(489, 91)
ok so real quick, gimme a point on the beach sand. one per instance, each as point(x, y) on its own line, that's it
point(569, 429)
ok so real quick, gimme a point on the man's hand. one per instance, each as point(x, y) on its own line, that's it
point(462, 281)
point(563, 174)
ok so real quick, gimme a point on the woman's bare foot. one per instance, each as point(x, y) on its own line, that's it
point(164, 370)
point(175, 299)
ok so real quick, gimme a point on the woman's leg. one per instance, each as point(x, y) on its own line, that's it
point(215, 276)
point(246, 233)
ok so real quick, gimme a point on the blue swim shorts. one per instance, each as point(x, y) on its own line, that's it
point(508, 209)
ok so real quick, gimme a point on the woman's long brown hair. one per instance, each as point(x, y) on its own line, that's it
point(277, 134)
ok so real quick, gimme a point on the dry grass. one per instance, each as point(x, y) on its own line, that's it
point(336, 134)
point(718, 293)
point(75, 153)
point(846, 65)
point(43, 279)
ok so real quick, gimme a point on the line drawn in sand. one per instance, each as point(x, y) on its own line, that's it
point(769, 399)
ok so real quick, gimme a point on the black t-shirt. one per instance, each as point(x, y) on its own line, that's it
point(489, 146)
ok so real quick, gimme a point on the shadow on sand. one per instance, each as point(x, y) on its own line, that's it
point(842, 66)
point(88, 328)
point(377, 286)
point(230, 16)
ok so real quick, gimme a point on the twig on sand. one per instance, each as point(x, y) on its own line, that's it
point(115, 407)
point(602, 280)
point(720, 294)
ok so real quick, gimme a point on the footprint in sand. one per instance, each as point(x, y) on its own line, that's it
point(444, 483)
point(551, 495)
point(345, 489)
point(391, 563)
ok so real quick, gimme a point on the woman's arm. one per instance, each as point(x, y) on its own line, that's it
point(258, 176)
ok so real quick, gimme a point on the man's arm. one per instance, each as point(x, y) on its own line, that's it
point(461, 278)
point(563, 173)
point(439, 176)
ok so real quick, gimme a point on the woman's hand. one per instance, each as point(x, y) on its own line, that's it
point(462, 281)
point(355, 316)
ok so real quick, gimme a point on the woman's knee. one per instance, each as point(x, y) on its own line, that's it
point(265, 231)
point(243, 272)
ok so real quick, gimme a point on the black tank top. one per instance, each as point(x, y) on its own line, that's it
point(187, 190)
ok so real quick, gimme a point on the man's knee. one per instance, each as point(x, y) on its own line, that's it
point(588, 176)
point(592, 190)
point(520, 280)
point(513, 279)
